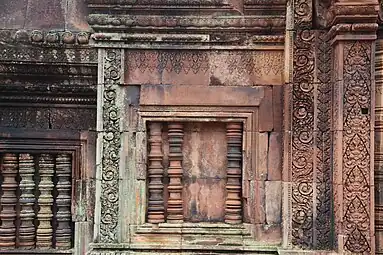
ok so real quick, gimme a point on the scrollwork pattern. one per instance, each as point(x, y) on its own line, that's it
point(356, 146)
point(303, 13)
point(111, 148)
point(302, 139)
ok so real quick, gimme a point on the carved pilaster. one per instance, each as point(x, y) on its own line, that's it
point(155, 173)
point(233, 208)
point(8, 202)
point(353, 137)
point(63, 201)
point(175, 171)
point(109, 133)
point(27, 200)
point(302, 148)
point(379, 147)
point(44, 216)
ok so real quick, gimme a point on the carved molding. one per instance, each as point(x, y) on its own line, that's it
point(188, 24)
point(48, 38)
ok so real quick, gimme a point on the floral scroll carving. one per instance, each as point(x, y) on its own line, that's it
point(302, 139)
point(356, 146)
point(303, 13)
point(111, 148)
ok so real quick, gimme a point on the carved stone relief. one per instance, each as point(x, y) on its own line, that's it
point(356, 146)
point(214, 68)
point(111, 147)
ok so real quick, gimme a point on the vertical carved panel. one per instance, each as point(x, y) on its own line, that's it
point(44, 229)
point(302, 139)
point(27, 200)
point(323, 207)
point(111, 148)
point(155, 171)
point(233, 210)
point(63, 201)
point(175, 171)
point(8, 202)
point(379, 148)
point(356, 146)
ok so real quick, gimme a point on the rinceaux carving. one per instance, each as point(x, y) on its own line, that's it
point(111, 148)
point(302, 139)
point(323, 141)
point(356, 146)
point(303, 10)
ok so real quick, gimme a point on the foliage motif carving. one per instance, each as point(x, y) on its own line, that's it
point(302, 139)
point(111, 148)
point(303, 13)
point(171, 61)
point(356, 146)
point(323, 141)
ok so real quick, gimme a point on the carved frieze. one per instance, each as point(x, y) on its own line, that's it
point(214, 68)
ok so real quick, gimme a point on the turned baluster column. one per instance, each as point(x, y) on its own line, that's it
point(175, 205)
point(233, 209)
point(27, 200)
point(156, 171)
point(63, 201)
point(44, 216)
point(8, 202)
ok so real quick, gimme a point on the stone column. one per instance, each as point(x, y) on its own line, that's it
point(379, 146)
point(107, 211)
point(353, 124)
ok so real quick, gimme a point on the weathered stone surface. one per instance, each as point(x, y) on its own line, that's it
point(12, 14)
point(46, 14)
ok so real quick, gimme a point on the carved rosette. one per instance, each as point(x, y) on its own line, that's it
point(356, 146)
point(63, 201)
point(27, 233)
point(44, 231)
point(156, 212)
point(8, 202)
point(111, 147)
point(175, 171)
point(302, 139)
point(233, 208)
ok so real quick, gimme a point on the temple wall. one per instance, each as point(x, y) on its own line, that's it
point(190, 127)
